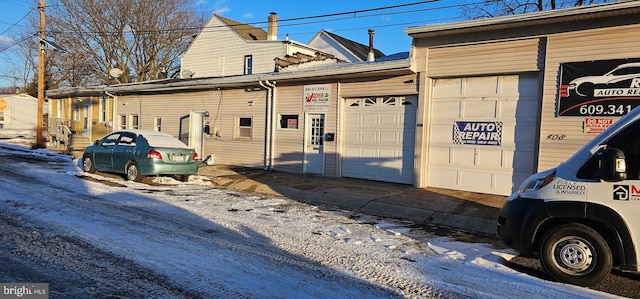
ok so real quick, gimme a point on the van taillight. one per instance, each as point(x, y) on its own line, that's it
point(153, 154)
point(195, 156)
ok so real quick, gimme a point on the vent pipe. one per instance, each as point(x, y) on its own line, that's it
point(371, 56)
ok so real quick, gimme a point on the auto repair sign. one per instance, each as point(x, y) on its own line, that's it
point(477, 133)
point(317, 98)
point(600, 88)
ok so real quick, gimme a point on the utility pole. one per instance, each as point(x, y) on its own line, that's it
point(40, 142)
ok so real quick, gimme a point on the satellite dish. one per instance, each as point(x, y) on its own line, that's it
point(115, 72)
point(187, 74)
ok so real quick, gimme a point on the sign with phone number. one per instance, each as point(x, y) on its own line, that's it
point(599, 88)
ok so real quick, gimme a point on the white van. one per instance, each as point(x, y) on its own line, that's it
point(583, 217)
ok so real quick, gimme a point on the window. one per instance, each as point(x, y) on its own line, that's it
point(104, 106)
point(289, 121)
point(134, 121)
point(244, 129)
point(157, 124)
point(123, 122)
point(76, 109)
point(127, 140)
point(248, 65)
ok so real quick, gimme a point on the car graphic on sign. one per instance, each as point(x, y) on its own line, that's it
point(584, 86)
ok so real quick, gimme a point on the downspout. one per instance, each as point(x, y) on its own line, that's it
point(113, 109)
point(266, 125)
point(271, 123)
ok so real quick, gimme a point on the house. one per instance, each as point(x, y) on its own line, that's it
point(79, 118)
point(497, 98)
point(478, 106)
point(345, 49)
point(18, 114)
point(351, 120)
point(227, 48)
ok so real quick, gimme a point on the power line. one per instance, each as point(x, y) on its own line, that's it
point(16, 23)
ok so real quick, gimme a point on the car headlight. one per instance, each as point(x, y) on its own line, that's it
point(537, 181)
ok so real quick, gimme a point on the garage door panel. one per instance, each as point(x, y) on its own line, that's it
point(490, 158)
point(479, 109)
point(464, 156)
point(447, 87)
point(511, 101)
point(480, 86)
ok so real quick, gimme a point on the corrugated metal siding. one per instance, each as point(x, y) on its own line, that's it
point(599, 44)
point(401, 85)
point(492, 58)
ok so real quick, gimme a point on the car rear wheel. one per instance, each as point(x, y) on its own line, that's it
point(87, 165)
point(576, 254)
point(133, 172)
point(184, 177)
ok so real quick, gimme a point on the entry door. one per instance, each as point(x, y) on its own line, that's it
point(196, 132)
point(314, 144)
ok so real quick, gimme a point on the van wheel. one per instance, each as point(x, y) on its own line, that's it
point(133, 172)
point(576, 254)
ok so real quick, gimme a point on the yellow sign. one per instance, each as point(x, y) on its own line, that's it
point(3, 104)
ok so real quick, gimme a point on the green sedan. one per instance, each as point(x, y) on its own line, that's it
point(140, 153)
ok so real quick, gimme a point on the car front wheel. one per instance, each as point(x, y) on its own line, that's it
point(87, 165)
point(133, 172)
point(576, 254)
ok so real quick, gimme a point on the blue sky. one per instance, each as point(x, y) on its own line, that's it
point(388, 23)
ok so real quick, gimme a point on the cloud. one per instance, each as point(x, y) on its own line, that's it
point(248, 15)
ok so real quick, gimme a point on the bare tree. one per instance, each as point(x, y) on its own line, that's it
point(495, 8)
point(140, 37)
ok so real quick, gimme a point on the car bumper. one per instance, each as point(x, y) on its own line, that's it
point(162, 168)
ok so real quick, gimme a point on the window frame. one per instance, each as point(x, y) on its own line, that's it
point(238, 135)
point(248, 64)
point(284, 121)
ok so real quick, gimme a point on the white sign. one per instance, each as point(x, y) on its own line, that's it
point(317, 98)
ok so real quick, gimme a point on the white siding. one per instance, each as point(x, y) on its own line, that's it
point(219, 51)
point(223, 107)
point(586, 45)
point(489, 58)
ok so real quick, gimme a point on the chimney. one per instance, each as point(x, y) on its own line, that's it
point(272, 31)
point(371, 56)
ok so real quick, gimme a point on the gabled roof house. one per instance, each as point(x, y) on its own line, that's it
point(344, 48)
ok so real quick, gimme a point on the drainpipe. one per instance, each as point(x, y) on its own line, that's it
point(270, 123)
point(113, 109)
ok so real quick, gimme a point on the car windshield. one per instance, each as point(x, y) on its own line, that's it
point(164, 141)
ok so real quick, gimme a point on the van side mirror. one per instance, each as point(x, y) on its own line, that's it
point(612, 165)
point(97, 142)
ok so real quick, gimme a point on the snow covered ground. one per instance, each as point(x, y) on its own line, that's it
point(193, 240)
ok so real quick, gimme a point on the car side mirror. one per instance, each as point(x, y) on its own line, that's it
point(612, 165)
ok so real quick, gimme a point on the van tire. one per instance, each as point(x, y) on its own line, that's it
point(576, 254)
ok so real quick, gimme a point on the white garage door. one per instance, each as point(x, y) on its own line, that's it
point(380, 138)
point(483, 133)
